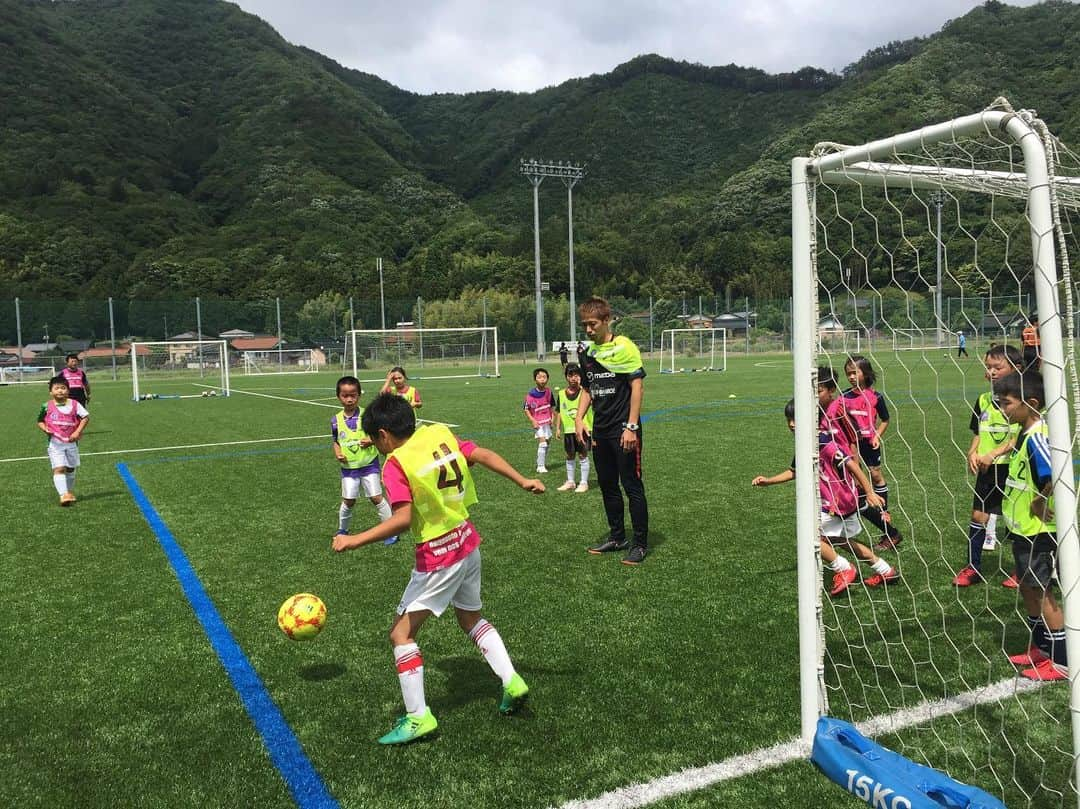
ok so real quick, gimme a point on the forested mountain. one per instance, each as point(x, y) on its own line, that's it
point(182, 147)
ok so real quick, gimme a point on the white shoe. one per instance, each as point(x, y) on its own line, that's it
point(990, 544)
point(567, 487)
point(541, 470)
point(582, 487)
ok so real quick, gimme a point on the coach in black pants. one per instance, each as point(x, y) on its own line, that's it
point(613, 386)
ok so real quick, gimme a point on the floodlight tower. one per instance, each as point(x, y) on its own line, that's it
point(535, 171)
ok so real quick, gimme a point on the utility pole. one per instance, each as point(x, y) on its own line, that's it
point(382, 297)
point(938, 198)
point(535, 171)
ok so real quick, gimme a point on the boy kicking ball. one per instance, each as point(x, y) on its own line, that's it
point(430, 489)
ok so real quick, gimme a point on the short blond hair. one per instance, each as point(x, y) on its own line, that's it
point(595, 308)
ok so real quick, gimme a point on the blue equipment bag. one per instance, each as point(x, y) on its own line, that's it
point(887, 780)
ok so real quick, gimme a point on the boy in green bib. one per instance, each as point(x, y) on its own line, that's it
point(357, 456)
point(430, 489)
point(566, 407)
point(1027, 510)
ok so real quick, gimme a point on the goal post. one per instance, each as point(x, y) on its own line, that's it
point(179, 369)
point(274, 361)
point(440, 353)
point(688, 350)
point(26, 374)
point(866, 234)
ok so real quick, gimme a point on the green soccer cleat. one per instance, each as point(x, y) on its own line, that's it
point(513, 695)
point(411, 727)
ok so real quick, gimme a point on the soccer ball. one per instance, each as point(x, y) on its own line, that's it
point(302, 616)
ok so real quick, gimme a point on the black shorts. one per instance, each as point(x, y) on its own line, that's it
point(573, 446)
point(990, 488)
point(871, 455)
point(1036, 559)
point(1031, 357)
point(78, 394)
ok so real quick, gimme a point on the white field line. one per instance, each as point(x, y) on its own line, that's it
point(320, 404)
point(325, 435)
point(695, 778)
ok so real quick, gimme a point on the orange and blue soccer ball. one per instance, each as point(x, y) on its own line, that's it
point(302, 616)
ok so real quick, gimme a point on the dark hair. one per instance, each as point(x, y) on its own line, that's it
point(349, 380)
point(863, 364)
point(825, 377)
point(58, 380)
point(595, 308)
point(1021, 386)
point(389, 412)
point(541, 371)
point(1008, 352)
point(400, 370)
point(571, 368)
point(1033, 319)
point(71, 357)
point(789, 410)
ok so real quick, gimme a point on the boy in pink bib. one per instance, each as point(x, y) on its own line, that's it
point(63, 419)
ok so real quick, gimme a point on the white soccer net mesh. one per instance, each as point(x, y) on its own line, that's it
point(179, 369)
point(690, 350)
point(282, 361)
point(423, 353)
point(924, 662)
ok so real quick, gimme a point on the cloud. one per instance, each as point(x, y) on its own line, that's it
point(523, 45)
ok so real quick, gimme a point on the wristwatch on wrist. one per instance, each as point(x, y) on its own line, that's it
point(631, 426)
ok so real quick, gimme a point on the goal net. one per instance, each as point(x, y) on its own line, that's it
point(281, 361)
point(689, 350)
point(839, 341)
point(424, 353)
point(978, 208)
point(179, 369)
point(26, 375)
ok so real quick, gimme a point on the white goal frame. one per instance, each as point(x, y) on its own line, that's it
point(850, 341)
point(487, 351)
point(667, 343)
point(251, 359)
point(867, 165)
point(179, 352)
point(15, 374)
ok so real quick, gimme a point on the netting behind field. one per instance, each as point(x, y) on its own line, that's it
point(891, 237)
point(423, 353)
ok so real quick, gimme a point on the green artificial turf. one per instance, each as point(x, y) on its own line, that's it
point(112, 694)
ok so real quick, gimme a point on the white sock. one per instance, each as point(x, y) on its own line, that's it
point(584, 463)
point(344, 515)
point(839, 564)
point(882, 567)
point(491, 646)
point(570, 471)
point(991, 527)
point(70, 477)
point(384, 510)
point(541, 453)
point(60, 482)
point(410, 668)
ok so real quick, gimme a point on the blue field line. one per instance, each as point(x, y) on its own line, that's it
point(286, 753)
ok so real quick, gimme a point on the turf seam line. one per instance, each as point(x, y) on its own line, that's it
point(336, 405)
point(179, 446)
point(695, 778)
point(285, 750)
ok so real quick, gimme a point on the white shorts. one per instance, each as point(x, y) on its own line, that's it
point(63, 455)
point(371, 483)
point(458, 584)
point(543, 432)
point(833, 525)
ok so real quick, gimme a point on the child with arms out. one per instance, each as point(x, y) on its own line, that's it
point(1027, 509)
point(63, 419)
point(539, 410)
point(839, 474)
point(432, 500)
point(566, 403)
point(357, 455)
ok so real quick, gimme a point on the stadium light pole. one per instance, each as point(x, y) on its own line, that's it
point(535, 171)
point(938, 198)
point(382, 297)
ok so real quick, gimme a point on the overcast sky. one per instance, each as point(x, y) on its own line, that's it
point(430, 46)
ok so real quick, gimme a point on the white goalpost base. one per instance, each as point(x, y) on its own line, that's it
point(26, 375)
point(693, 350)
point(878, 231)
point(450, 353)
point(179, 369)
